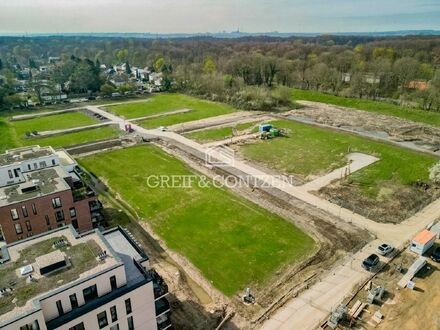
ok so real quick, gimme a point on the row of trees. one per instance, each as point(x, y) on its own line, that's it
point(248, 72)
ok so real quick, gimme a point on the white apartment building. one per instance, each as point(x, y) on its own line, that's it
point(63, 280)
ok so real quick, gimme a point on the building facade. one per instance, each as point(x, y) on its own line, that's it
point(113, 289)
point(41, 189)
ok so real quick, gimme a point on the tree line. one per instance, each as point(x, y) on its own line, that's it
point(250, 73)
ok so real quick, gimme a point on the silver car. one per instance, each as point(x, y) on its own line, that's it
point(384, 249)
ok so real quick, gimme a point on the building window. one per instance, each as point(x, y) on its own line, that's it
point(47, 220)
point(24, 211)
point(29, 167)
point(14, 214)
point(49, 228)
point(130, 323)
point(59, 216)
point(114, 327)
point(34, 209)
point(35, 166)
point(90, 293)
point(73, 301)
point(28, 225)
point(79, 326)
point(72, 212)
point(53, 162)
point(60, 307)
point(31, 326)
point(113, 283)
point(102, 319)
point(113, 314)
point(56, 202)
point(75, 223)
point(43, 164)
point(128, 306)
point(11, 176)
point(18, 229)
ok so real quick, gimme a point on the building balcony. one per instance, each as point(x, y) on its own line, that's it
point(95, 205)
point(163, 322)
point(162, 306)
point(82, 193)
point(159, 286)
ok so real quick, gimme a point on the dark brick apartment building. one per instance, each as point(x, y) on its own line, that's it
point(40, 190)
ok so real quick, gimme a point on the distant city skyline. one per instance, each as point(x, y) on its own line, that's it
point(200, 16)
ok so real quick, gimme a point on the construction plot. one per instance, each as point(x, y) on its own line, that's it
point(418, 136)
point(397, 307)
point(385, 191)
point(163, 103)
point(233, 242)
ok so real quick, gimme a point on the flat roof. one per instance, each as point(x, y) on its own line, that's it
point(126, 252)
point(37, 184)
point(65, 158)
point(38, 251)
point(424, 237)
point(17, 155)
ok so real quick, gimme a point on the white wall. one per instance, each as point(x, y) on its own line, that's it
point(103, 286)
point(27, 320)
point(142, 303)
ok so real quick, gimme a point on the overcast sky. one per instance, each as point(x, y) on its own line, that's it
point(165, 16)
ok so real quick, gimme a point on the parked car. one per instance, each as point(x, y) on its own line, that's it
point(371, 262)
point(436, 254)
point(384, 249)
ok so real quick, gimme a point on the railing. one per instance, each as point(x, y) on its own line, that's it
point(131, 285)
point(164, 325)
point(162, 306)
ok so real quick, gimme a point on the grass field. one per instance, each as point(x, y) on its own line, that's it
point(13, 137)
point(7, 138)
point(69, 139)
point(311, 151)
point(169, 102)
point(216, 134)
point(54, 122)
point(233, 242)
point(426, 117)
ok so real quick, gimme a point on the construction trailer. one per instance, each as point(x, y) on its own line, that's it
point(423, 241)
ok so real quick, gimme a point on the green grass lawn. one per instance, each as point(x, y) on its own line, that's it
point(216, 134)
point(311, 151)
point(389, 190)
point(426, 117)
point(7, 136)
point(169, 102)
point(69, 139)
point(53, 122)
point(232, 241)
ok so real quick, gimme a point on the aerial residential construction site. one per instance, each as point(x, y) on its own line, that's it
point(318, 217)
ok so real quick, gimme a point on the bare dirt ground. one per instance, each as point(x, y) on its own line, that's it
point(371, 124)
point(403, 308)
point(392, 207)
point(335, 240)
